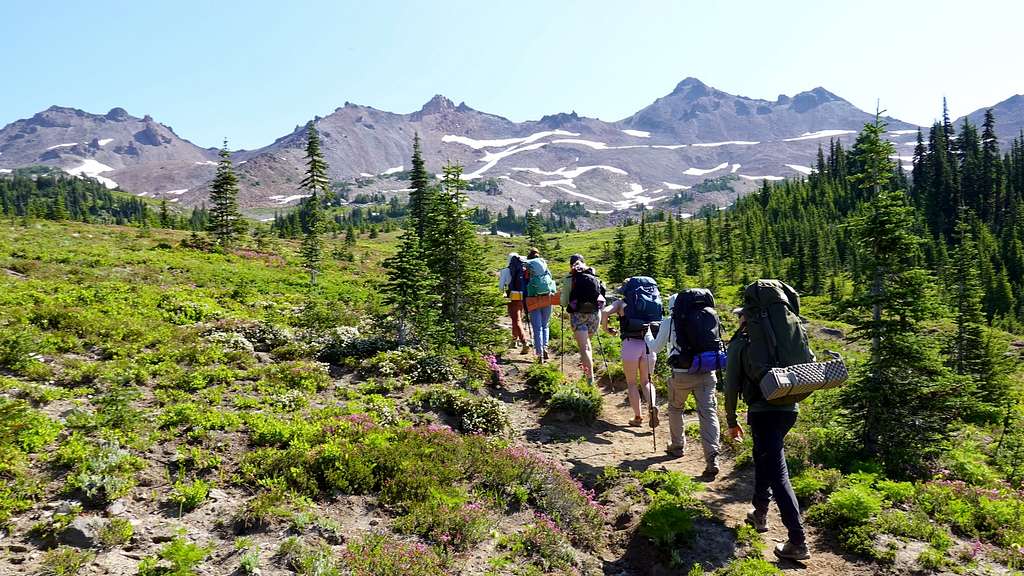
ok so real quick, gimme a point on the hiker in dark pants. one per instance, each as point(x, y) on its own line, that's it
point(769, 424)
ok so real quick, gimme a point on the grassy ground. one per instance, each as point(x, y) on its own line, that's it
point(170, 411)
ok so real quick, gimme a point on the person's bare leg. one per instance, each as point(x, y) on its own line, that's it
point(586, 352)
point(632, 368)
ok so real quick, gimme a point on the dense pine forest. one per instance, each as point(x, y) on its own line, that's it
point(333, 393)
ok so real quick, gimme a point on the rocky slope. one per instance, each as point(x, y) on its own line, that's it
point(693, 134)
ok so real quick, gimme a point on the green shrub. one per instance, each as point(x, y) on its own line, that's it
point(476, 414)
point(540, 544)
point(582, 399)
point(448, 519)
point(896, 492)
point(932, 559)
point(669, 519)
point(544, 379)
point(24, 427)
point(381, 555)
point(966, 461)
point(749, 567)
point(101, 472)
point(180, 558)
point(65, 561)
point(814, 483)
point(116, 532)
point(189, 495)
point(301, 375)
point(853, 505)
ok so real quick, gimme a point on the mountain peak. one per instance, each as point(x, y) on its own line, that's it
point(117, 114)
point(437, 104)
point(691, 89)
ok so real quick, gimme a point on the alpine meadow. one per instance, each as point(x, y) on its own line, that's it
point(721, 336)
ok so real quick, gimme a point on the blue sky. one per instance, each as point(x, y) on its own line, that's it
point(251, 71)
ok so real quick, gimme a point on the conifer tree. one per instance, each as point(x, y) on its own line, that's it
point(535, 232)
point(226, 223)
point(316, 183)
point(645, 253)
point(312, 245)
point(468, 304)
point(409, 291)
point(315, 180)
point(693, 257)
point(904, 380)
point(422, 197)
point(618, 271)
point(165, 215)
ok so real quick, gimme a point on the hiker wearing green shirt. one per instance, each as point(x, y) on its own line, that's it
point(769, 424)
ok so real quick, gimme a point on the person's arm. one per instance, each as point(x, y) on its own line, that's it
point(607, 313)
point(661, 341)
point(733, 382)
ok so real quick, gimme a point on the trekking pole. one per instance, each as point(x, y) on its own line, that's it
point(561, 337)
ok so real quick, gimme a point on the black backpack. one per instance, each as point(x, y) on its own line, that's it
point(698, 332)
point(516, 268)
point(585, 293)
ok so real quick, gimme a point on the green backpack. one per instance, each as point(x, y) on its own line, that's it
point(541, 281)
point(776, 335)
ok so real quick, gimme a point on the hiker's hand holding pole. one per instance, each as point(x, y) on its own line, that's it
point(736, 433)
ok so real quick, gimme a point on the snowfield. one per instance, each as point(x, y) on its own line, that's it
point(176, 192)
point(207, 163)
point(286, 199)
point(478, 144)
point(772, 178)
point(669, 146)
point(901, 132)
point(5, 170)
point(801, 169)
point(393, 170)
point(637, 133)
point(92, 169)
point(672, 186)
point(735, 168)
point(701, 171)
point(68, 145)
point(104, 141)
point(575, 172)
point(730, 143)
point(819, 134)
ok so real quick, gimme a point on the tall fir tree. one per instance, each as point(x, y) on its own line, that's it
point(226, 223)
point(316, 183)
point(469, 306)
point(904, 364)
point(535, 232)
point(410, 292)
point(619, 270)
point(422, 197)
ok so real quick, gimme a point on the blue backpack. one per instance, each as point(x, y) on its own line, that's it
point(643, 307)
point(541, 281)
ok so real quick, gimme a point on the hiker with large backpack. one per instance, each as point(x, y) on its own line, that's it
point(512, 281)
point(639, 313)
point(540, 286)
point(771, 335)
point(693, 335)
point(582, 295)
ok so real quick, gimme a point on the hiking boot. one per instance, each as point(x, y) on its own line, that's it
point(674, 451)
point(790, 551)
point(525, 350)
point(758, 521)
point(546, 357)
point(636, 421)
point(711, 470)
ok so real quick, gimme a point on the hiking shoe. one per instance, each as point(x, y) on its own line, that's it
point(654, 417)
point(675, 451)
point(711, 470)
point(758, 521)
point(525, 350)
point(790, 551)
point(636, 421)
point(546, 357)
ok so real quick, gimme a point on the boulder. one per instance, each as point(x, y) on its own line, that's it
point(82, 532)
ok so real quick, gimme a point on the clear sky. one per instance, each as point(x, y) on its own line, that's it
point(253, 70)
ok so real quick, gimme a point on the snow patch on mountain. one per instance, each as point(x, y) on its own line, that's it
point(68, 145)
point(637, 133)
point(575, 172)
point(393, 170)
point(735, 167)
point(281, 200)
point(5, 170)
point(669, 146)
point(207, 163)
point(901, 132)
point(478, 144)
point(772, 178)
point(104, 141)
point(801, 169)
point(701, 171)
point(731, 142)
point(177, 192)
point(92, 169)
point(672, 186)
point(819, 134)
point(491, 159)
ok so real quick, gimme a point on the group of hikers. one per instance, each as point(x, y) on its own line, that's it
point(770, 334)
